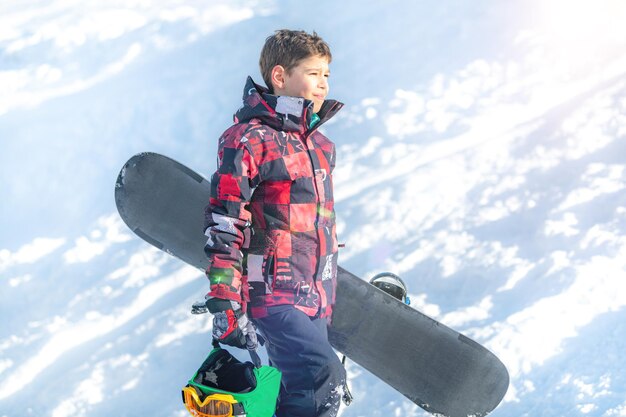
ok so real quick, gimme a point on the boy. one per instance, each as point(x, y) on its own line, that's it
point(270, 224)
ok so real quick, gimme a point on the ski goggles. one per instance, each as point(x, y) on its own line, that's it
point(214, 405)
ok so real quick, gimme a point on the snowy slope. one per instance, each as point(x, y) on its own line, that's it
point(481, 156)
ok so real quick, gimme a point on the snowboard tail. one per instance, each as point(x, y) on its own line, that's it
point(439, 369)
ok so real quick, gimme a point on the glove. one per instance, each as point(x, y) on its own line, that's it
point(230, 324)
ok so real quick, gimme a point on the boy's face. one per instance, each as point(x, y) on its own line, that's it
point(309, 79)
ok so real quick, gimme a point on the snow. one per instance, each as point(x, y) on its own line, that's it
point(88, 247)
point(480, 156)
point(29, 253)
point(71, 26)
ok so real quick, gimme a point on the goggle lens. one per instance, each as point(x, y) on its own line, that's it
point(216, 409)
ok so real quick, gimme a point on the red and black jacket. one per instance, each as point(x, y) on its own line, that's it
point(270, 222)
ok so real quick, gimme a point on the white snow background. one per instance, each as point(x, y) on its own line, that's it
point(481, 156)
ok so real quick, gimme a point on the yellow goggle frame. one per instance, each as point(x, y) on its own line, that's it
point(214, 405)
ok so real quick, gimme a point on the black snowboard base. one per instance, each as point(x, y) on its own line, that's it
point(437, 368)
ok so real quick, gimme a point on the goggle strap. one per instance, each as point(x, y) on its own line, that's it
point(238, 410)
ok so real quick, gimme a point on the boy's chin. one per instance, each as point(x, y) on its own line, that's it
point(317, 106)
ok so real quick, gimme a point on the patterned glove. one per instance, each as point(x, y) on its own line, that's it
point(230, 325)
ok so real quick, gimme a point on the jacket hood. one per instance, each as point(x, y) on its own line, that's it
point(289, 114)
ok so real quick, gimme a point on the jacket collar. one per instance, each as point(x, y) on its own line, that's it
point(289, 114)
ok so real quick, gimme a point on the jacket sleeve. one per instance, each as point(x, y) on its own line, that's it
point(227, 218)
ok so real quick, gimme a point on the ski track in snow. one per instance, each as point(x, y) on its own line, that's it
point(495, 188)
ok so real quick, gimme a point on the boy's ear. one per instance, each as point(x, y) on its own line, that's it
point(278, 77)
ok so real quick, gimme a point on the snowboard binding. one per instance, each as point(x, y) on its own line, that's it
point(392, 285)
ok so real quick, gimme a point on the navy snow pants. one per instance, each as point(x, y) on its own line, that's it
point(312, 374)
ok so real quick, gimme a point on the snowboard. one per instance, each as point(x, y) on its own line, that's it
point(439, 369)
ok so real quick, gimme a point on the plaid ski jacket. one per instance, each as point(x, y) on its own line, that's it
point(270, 221)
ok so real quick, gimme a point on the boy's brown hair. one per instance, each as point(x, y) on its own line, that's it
point(287, 48)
